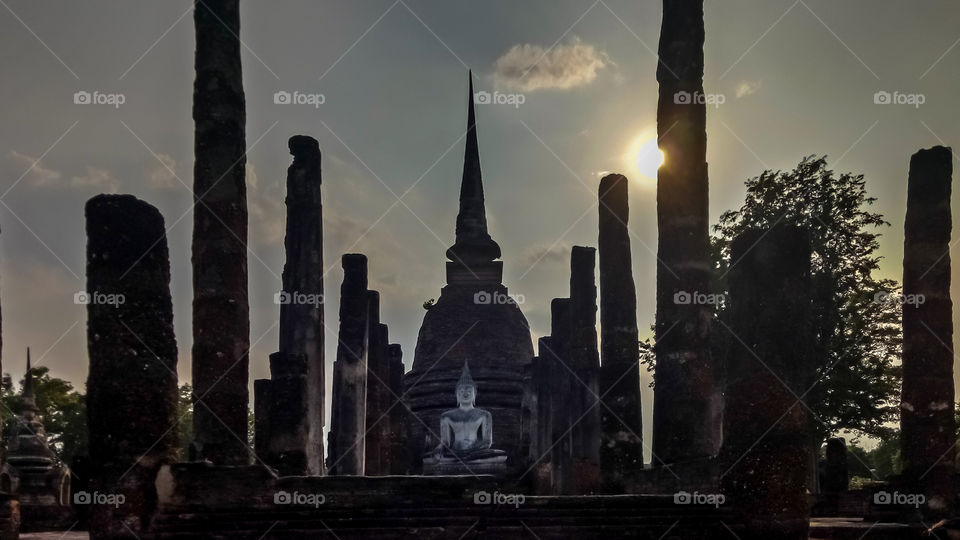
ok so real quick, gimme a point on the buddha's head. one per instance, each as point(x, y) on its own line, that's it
point(466, 388)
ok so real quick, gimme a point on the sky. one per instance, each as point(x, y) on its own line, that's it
point(573, 92)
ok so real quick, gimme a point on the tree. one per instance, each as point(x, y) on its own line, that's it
point(185, 418)
point(62, 409)
point(885, 458)
point(857, 336)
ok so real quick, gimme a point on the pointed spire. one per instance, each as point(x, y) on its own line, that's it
point(473, 244)
point(29, 400)
point(465, 378)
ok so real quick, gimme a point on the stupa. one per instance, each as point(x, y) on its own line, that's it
point(475, 321)
point(39, 480)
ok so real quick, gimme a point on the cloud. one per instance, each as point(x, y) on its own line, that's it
point(265, 206)
point(529, 67)
point(37, 174)
point(97, 178)
point(164, 174)
point(747, 88)
point(536, 255)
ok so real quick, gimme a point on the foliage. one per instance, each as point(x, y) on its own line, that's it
point(185, 418)
point(856, 338)
point(61, 408)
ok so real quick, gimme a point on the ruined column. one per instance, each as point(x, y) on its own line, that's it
point(621, 449)
point(221, 324)
point(557, 356)
point(584, 372)
point(301, 318)
point(686, 406)
point(767, 444)
point(376, 390)
point(398, 413)
point(132, 383)
point(281, 407)
point(834, 474)
point(346, 443)
point(294, 395)
point(541, 438)
point(926, 403)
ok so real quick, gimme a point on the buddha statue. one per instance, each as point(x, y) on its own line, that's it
point(466, 436)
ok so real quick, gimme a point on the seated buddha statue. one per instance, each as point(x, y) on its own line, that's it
point(466, 433)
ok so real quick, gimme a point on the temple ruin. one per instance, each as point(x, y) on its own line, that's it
point(484, 436)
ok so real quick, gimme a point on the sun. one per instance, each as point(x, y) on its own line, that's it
point(644, 157)
point(649, 158)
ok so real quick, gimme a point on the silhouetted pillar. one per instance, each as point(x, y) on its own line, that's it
point(926, 403)
point(221, 324)
point(281, 408)
point(132, 383)
point(296, 402)
point(377, 377)
point(301, 318)
point(834, 475)
point(557, 356)
point(766, 447)
point(541, 436)
point(584, 372)
point(687, 407)
point(398, 412)
point(621, 449)
point(348, 419)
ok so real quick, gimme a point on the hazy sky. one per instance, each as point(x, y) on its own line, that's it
point(797, 77)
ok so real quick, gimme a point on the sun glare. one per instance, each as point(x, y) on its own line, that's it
point(644, 157)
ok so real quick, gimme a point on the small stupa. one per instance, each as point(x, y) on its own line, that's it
point(38, 479)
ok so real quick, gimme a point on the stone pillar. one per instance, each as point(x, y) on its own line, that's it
point(301, 318)
point(541, 437)
point(834, 474)
point(132, 384)
point(926, 403)
point(221, 324)
point(687, 406)
point(383, 427)
point(281, 407)
point(584, 372)
point(767, 440)
point(558, 357)
point(621, 449)
point(398, 412)
point(294, 395)
point(348, 419)
point(376, 388)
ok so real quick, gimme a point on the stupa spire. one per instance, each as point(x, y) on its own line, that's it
point(473, 244)
point(29, 399)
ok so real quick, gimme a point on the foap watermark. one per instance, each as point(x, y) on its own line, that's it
point(297, 298)
point(112, 499)
point(899, 499)
point(97, 298)
point(699, 98)
point(485, 497)
point(707, 499)
point(484, 298)
point(297, 97)
point(499, 98)
point(915, 300)
point(899, 98)
point(82, 97)
point(685, 298)
point(299, 499)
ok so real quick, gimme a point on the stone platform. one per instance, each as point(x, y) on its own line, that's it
point(203, 501)
point(198, 501)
